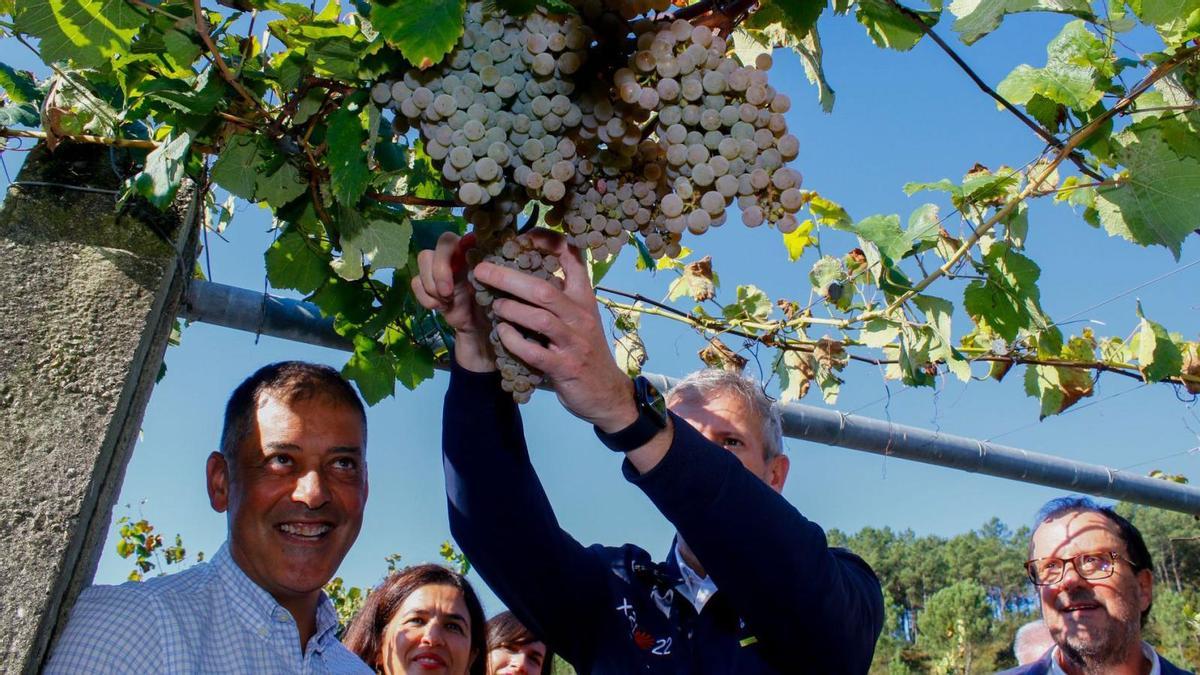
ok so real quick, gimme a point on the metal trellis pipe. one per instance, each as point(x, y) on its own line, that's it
point(300, 321)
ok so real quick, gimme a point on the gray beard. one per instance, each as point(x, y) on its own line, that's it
point(1112, 650)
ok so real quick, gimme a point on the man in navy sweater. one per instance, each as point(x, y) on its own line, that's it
point(712, 465)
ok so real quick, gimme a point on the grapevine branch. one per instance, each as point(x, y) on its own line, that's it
point(413, 200)
point(1159, 72)
point(983, 86)
point(807, 346)
point(218, 60)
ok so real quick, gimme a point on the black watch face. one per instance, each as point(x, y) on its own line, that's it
point(651, 400)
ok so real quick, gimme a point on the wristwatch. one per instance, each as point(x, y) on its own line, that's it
point(652, 418)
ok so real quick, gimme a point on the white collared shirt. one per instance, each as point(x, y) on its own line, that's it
point(1147, 650)
point(698, 589)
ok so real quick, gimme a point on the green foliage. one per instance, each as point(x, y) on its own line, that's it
point(977, 18)
point(85, 32)
point(1158, 199)
point(955, 620)
point(139, 542)
point(289, 124)
point(423, 30)
point(1071, 76)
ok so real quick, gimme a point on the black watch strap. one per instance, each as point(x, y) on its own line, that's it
point(651, 419)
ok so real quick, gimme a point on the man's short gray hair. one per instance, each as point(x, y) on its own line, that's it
point(705, 384)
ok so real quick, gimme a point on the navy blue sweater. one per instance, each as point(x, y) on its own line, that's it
point(786, 601)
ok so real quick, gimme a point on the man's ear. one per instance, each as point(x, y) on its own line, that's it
point(1145, 579)
point(217, 473)
point(777, 472)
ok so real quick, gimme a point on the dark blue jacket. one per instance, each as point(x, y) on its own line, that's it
point(787, 603)
point(1042, 667)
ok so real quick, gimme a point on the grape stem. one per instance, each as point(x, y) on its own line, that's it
point(218, 59)
point(413, 200)
point(728, 13)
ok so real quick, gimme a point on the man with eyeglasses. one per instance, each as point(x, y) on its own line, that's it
point(1095, 580)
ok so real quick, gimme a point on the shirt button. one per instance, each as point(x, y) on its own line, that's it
point(263, 631)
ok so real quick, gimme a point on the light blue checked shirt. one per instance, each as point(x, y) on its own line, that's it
point(210, 618)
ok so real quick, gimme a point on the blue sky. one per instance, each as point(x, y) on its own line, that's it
point(899, 117)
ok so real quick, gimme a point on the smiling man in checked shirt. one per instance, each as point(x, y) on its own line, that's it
point(292, 477)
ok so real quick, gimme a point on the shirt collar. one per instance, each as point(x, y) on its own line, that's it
point(1147, 650)
point(259, 609)
point(698, 590)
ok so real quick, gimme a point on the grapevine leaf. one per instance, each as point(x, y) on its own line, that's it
point(885, 233)
point(423, 30)
point(1009, 302)
point(630, 352)
point(280, 186)
point(1159, 199)
point(812, 58)
point(349, 173)
point(882, 271)
point(19, 85)
point(160, 179)
point(717, 354)
point(890, 26)
point(795, 371)
point(977, 18)
point(878, 332)
point(236, 168)
point(1191, 366)
point(1158, 356)
point(923, 226)
point(597, 269)
point(20, 115)
point(350, 303)
point(828, 278)
point(557, 6)
point(747, 46)
point(751, 304)
point(937, 314)
point(372, 369)
point(828, 213)
point(914, 368)
point(86, 32)
point(1070, 77)
point(293, 262)
point(380, 243)
point(1175, 20)
point(413, 363)
point(697, 281)
point(798, 17)
point(798, 240)
point(830, 357)
point(1057, 387)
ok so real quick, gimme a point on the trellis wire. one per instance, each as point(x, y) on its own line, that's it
point(247, 310)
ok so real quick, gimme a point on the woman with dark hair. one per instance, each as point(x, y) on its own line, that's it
point(513, 650)
point(425, 620)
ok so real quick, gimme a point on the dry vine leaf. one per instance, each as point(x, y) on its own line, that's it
point(718, 355)
point(697, 281)
point(1191, 366)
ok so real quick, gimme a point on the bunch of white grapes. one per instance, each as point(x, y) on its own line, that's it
point(616, 129)
point(516, 251)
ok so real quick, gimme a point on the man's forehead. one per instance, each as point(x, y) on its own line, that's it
point(1075, 532)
